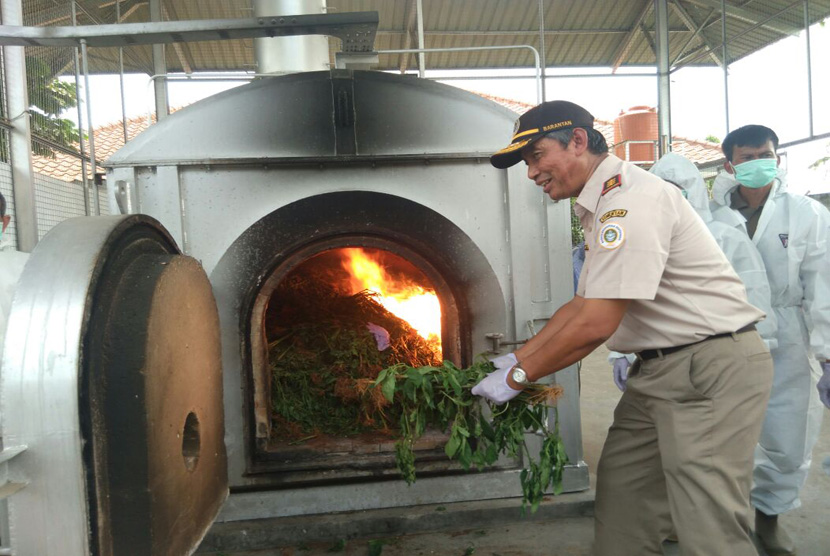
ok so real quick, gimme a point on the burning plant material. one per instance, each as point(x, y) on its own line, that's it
point(323, 364)
point(343, 364)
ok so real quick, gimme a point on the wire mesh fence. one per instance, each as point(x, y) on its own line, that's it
point(6, 186)
point(56, 201)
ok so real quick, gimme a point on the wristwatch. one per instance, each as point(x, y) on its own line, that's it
point(519, 375)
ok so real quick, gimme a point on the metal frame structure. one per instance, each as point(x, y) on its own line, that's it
point(358, 32)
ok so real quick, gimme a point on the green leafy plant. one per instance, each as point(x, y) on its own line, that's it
point(440, 396)
point(339, 546)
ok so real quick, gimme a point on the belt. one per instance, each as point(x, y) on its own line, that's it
point(647, 354)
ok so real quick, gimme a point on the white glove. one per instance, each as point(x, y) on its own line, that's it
point(494, 386)
point(824, 384)
point(621, 366)
point(505, 361)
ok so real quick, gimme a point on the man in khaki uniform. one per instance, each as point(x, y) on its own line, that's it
point(656, 283)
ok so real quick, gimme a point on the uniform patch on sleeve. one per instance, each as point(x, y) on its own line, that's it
point(612, 183)
point(616, 213)
point(785, 239)
point(611, 236)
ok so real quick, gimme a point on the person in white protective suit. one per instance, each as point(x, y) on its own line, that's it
point(735, 244)
point(11, 266)
point(792, 233)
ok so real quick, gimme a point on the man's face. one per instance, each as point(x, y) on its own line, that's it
point(552, 168)
point(746, 153)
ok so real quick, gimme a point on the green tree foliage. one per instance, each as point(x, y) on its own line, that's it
point(48, 98)
point(821, 161)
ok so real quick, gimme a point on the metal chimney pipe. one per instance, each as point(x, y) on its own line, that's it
point(290, 54)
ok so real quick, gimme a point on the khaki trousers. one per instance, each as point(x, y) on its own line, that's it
point(680, 451)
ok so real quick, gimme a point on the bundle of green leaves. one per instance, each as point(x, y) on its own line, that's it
point(441, 396)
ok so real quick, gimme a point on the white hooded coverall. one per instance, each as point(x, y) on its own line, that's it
point(792, 236)
point(734, 243)
point(11, 267)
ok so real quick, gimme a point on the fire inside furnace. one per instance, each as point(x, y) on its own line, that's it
point(333, 323)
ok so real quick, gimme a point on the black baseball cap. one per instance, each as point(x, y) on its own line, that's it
point(538, 122)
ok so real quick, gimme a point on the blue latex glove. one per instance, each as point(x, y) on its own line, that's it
point(494, 386)
point(621, 366)
point(824, 384)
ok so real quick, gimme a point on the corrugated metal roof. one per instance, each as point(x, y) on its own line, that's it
point(586, 33)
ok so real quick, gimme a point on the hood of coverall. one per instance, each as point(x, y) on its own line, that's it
point(684, 174)
point(725, 183)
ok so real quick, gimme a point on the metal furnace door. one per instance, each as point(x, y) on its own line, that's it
point(112, 394)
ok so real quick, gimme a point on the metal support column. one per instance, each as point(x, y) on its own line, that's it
point(661, 23)
point(542, 44)
point(121, 75)
point(81, 147)
point(725, 60)
point(159, 67)
point(20, 135)
point(809, 65)
point(96, 199)
point(420, 13)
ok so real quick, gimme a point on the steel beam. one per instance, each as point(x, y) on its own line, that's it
point(628, 41)
point(182, 50)
point(411, 14)
point(647, 36)
point(748, 15)
point(697, 31)
point(518, 32)
point(356, 30)
point(419, 8)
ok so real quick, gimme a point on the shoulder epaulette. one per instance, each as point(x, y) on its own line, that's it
point(611, 183)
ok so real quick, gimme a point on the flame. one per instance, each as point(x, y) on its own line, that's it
point(416, 305)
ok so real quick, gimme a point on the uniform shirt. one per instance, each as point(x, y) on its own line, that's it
point(752, 215)
point(645, 243)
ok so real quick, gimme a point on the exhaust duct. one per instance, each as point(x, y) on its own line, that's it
point(281, 55)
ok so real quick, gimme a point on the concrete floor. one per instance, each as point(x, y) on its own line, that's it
point(562, 527)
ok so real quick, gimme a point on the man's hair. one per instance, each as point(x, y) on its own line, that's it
point(596, 140)
point(748, 136)
point(2, 206)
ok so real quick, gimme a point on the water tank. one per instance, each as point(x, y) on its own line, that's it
point(638, 123)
